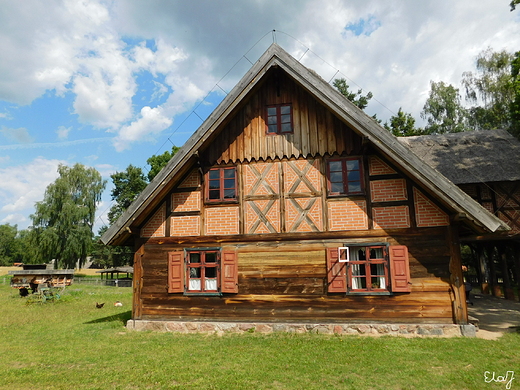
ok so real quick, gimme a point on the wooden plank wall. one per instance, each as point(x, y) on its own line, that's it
point(281, 282)
point(316, 130)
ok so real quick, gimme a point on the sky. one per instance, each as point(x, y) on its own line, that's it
point(111, 83)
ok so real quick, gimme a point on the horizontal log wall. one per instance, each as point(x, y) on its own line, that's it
point(287, 282)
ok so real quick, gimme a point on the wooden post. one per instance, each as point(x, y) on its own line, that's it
point(493, 281)
point(482, 269)
point(137, 283)
point(460, 309)
point(516, 259)
point(508, 290)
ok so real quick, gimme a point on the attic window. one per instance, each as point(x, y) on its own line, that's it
point(279, 119)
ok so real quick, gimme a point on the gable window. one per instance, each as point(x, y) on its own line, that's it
point(368, 269)
point(279, 119)
point(221, 185)
point(345, 176)
point(204, 271)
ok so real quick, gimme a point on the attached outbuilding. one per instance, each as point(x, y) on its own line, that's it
point(291, 205)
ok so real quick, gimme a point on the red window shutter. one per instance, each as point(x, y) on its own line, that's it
point(229, 273)
point(176, 272)
point(336, 272)
point(400, 269)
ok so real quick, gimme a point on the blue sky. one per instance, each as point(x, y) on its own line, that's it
point(108, 84)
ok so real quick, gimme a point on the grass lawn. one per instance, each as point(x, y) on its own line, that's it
point(70, 344)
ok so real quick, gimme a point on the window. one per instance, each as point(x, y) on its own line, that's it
point(205, 271)
point(345, 176)
point(368, 269)
point(202, 271)
point(279, 119)
point(221, 185)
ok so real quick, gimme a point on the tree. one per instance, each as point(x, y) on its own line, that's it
point(357, 98)
point(127, 186)
point(63, 220)
point(515, 104)
point(443, 110)
point(513, 4)
point(105, 256)
point(159, 162)
point(402, 125)
point(491, 89)
point(9, 250)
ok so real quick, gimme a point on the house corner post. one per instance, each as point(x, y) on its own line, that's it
point(460, 308)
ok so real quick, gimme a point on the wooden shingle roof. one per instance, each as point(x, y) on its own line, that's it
point(342, 108)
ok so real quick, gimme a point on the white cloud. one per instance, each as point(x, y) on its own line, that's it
point(63, 132)
point(152, 121)
point(20, 135)
point(22, 186)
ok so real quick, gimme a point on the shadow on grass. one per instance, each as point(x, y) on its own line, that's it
point(121, 317)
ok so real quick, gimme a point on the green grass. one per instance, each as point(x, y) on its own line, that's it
point(72, 345)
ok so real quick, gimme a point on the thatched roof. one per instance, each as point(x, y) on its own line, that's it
point(470, 157)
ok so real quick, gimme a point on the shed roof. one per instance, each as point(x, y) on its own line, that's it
point(470, 157)
point(359, 121)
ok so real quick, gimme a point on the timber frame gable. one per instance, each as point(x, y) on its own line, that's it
point(366, 128)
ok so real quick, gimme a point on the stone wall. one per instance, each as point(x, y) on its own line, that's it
point(405, 330)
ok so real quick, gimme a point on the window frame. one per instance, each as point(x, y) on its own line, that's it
point(278, 117)
point(367, 263)
point(398, 276)
point(345, 180)
point(222, 188)
point(202, 265)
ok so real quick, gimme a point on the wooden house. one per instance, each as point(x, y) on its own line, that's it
point(485, 165)
point(289, 204)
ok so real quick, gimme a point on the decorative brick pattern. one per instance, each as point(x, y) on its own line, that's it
point(508, 216)
point(260, 179)
point(391, 217)
point(378, 167)
point(347, 215)
point(268, 209)
point(303, 215)
point(187, 225)
point(192, 180)
point(504, 199)
point(427, 213)
point(222, 220)
point(155, 227)
point(388, 190)
point(310, 169)
point(186, 201)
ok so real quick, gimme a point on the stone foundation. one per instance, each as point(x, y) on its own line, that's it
point(405, 330)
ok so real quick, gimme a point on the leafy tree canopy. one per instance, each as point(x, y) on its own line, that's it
point(63, 220)
point(158, 162)
point(127, 186)
point(491, 89)
point(355, 97)
point(402, 125)
point(513, 4)
point(443, 110)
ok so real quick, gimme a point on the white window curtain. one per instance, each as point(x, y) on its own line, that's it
point(210, 284)
point(194, 285)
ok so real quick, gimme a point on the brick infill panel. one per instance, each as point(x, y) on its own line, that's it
point(362, 329)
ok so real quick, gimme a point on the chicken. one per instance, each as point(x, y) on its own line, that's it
point(118, 304)
point(99, 305)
